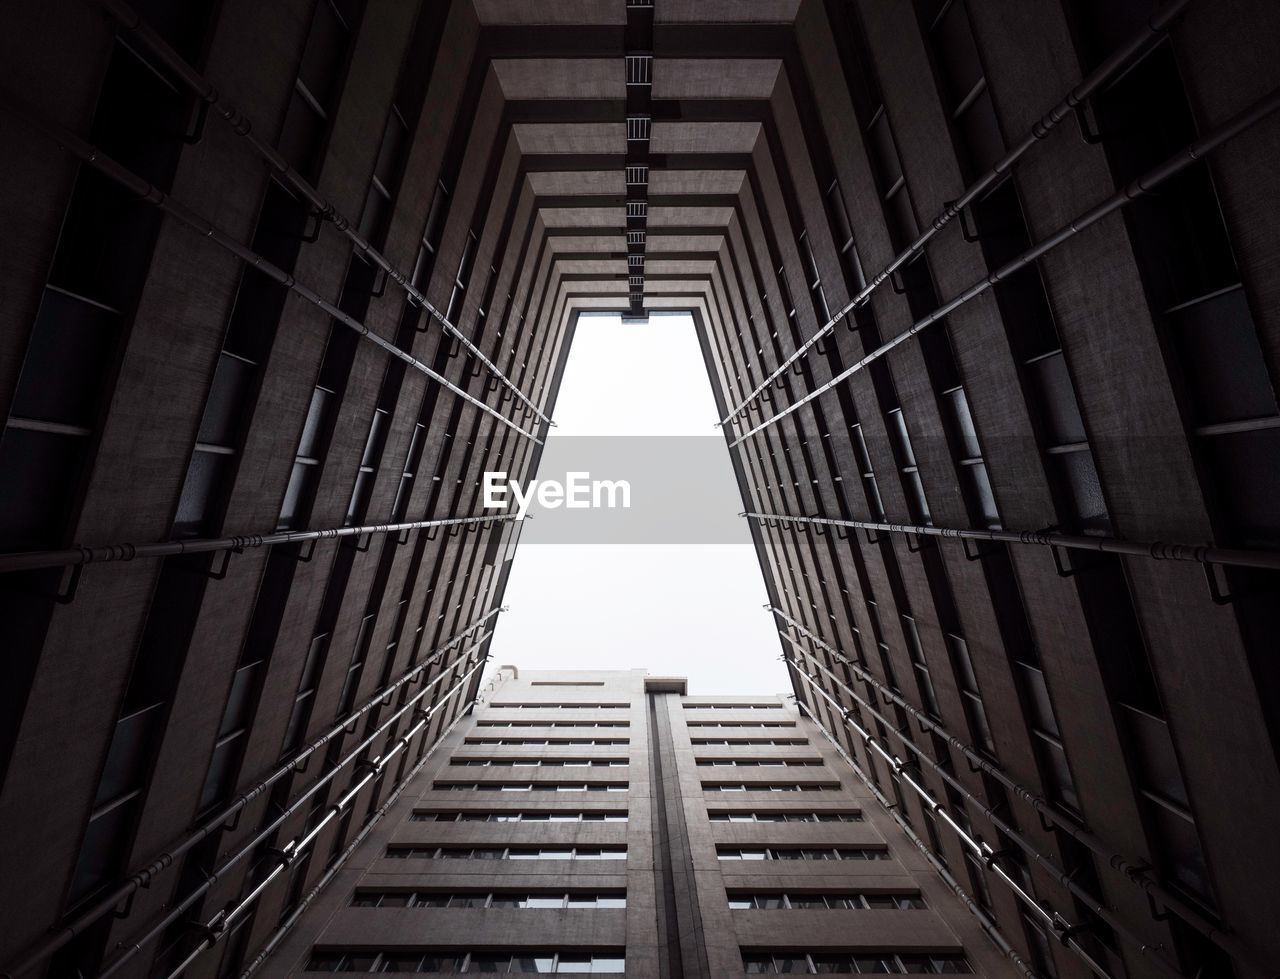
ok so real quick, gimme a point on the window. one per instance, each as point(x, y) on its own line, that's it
point(838, 901)
point(524, 762)
point(975, 483)
point(306, 464)
point(232, 732)
point(1025, 310)
point(508, 816)
point(738, 724)
point(1164, 801)
point(376, 215)
point(369, 898)
point(962, 83)
point(506, 853)
point(582, 724)
point(462, 277)
point(597, 962)
point(826, 963)
point(1046, 739)
point(531, 786)
point(786, 816)
point(696, 706)
point(1040, 945)
point(803, 853)
point(102, 257)
point(514, 706)
point(842, 232)
point(905, 455)
point(887, 171)
point(369, 460)
point(869, 485)
point(117, 802)
point(318, 83)
point(217, 442)
point(306, 690)
point(923, 680)
point(550, 741)
point(759, 762)
point(639, 69)
point(769, 786)
point(1053, 763)
point(970, 697)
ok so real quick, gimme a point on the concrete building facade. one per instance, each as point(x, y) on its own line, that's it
point(988, 294)
point(606, 822)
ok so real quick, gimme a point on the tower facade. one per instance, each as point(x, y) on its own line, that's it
point(606, 822)
point(987, 291)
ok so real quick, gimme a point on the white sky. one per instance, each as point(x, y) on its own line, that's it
point(675, 610)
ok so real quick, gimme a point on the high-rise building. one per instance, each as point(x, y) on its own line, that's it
point(598, 822)
point(989, 295)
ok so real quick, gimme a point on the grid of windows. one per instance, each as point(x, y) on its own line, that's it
point(839, 816)
point(524, 762)
point(507, 853)
point(549, 741)
point(579, 724)
point(558, 706)
point(740, 724)
point(365, 898)
point(770, 786)
point(1192, 283)
point(732, 706)
point(531, 786)
point(456, 816)
point(841, 901)
point(480, 961)
point(860, 963)
point(761, 762)
point(802, 853)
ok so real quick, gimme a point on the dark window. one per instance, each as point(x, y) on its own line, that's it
point(1226, 375)
point(318, 83)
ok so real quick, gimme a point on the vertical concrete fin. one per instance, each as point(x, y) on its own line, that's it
point(679, 917)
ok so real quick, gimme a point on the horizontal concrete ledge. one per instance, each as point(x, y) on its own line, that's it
point(662, 684)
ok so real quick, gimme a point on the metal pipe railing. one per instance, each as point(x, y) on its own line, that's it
point(985, 921)
point(983, 852)
point(148, 193)
point(217, 926)
point(274, 939)
point(145, 876)
point(1139, 187)
point(1135, 872)
point(65, 557)
point(131, 21)
point(1156, 550)
point(290, 852)
point(1119, 60)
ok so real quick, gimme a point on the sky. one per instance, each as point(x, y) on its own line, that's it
point(691, 610)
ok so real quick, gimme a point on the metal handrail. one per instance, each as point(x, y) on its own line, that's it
point(215, 928)
point(1147, 182)
point(1119, 60)
point(980, 850)
point(274, 939)
point(119, 895)
point(32, 560)
point(985, 921)
point(1156, 550)
point(1135, 872)
point(148, 193)
point(131, 21)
